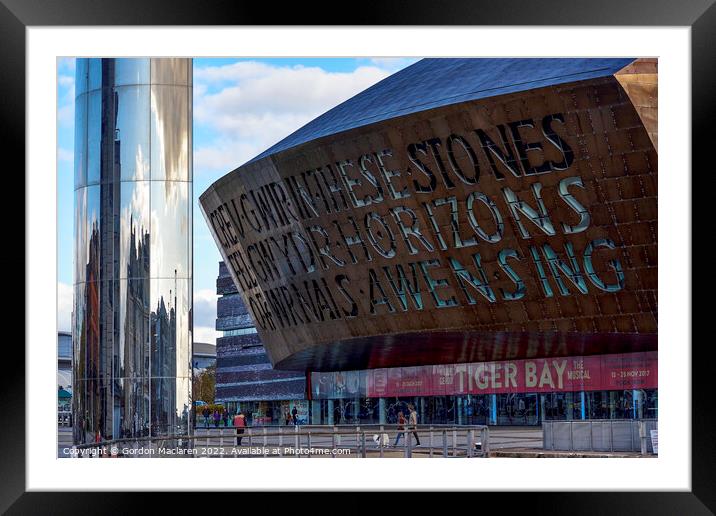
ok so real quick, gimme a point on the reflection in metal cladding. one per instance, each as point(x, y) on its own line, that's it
point(170, 218)
point(170, 139)
point(132, 330)
point(132, 132)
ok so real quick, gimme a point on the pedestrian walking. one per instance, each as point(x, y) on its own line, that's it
point(206, 415)
point(217, 418)
point(337, 415)
point(294, 413)
point(225, 417)
point(287, 417)
point(240, 424)
point(413, 421)
point(401, 426)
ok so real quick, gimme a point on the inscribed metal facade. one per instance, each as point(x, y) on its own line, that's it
point(132, 329)
point(463, 210)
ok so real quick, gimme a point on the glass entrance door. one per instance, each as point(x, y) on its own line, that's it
point(517, 409)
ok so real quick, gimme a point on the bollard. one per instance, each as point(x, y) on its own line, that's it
point(431, 442)
point(296, 454)
point(363, 454)
point(445, 445)
point(631, 437)
point(485, 441)
point(333, 441)
point(470, 442)
point(642, 437)
point(265, 442)
point(611, 436)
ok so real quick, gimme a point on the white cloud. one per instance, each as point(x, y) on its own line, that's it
point(66, 115)
point(64, 307)
point(224, 155)
point(249, 106)
point(206, 334)
point(293, 91)
point(205, 316)
point(66, 81)
point(65, 155)
point(204, 308)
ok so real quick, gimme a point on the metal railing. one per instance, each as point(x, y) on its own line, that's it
point(607, 435)
point(304, 441)
point(64, 418)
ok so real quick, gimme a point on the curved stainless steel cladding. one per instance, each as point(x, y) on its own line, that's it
point(133, 248)
point(461, 210)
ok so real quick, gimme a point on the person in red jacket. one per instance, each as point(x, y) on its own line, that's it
point(240, 424)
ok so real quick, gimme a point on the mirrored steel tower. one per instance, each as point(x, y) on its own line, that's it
point(132, 320)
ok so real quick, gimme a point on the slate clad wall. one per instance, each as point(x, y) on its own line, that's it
point(243, 370)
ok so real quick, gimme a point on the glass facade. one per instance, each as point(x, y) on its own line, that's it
point(132, 321)
point(514, 409)
point(271, 412)
point(509, 392)
point(64, 372)
point(64, 346)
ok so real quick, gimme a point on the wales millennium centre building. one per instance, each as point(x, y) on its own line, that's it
point(477, 237)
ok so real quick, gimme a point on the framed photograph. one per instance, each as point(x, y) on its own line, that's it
point(433, 234)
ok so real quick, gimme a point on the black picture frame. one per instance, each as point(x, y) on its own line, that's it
point(700, 15)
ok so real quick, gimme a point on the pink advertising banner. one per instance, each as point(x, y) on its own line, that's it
point(592, 373)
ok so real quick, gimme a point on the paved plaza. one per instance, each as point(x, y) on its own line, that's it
point(221, 441)
point(505, 442)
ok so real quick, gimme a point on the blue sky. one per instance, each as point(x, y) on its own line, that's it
point(241, 107)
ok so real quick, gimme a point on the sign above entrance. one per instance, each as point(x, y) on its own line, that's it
point(566, 374)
